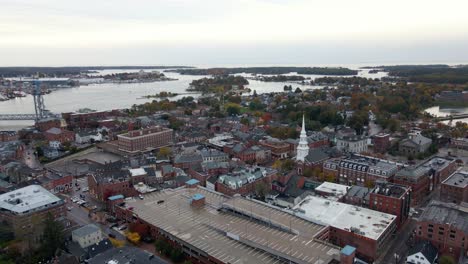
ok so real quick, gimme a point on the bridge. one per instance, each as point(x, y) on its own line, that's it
point(39, 107)
point(452, 117)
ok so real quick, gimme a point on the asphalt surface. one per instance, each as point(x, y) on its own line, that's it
point(79, 214)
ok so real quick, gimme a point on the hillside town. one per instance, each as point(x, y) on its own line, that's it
point(347, 174)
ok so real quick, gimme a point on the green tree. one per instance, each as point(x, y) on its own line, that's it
point(232, 109)
point(261, 190)
point(358, 121)
point(446, 260)
point(52, 237)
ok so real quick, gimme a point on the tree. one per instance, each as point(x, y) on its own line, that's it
point(298, 90)
point(232, 109)
point(52, 237)
point(117, 243)
point(245, 121)
point(358, 121)
point(261, 190)
point(133, 237)
point(446, 260)
point(164, 152)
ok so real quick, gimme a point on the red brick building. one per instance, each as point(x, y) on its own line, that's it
point(279, 149)
point(418, 179)
point(21, 208)
point(381, 142)
point(46, 124)
point(444, 225)
point(8, 136)
point(391, 199)
point(145, 139)
point(455, 188)
point(56, 183)
point(60, 135)
point(442, 167)
point(89, 119)
point(109, 180)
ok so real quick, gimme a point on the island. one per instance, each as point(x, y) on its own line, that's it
point(217, 84)
point(268, 70)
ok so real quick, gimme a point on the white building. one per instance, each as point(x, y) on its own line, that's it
point(87, 235)
point(353, 144)
point(55, 144)
point(303, 146)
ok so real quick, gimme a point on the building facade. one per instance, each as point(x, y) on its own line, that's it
point(145, 139)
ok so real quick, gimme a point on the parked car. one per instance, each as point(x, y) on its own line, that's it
point(140, 196)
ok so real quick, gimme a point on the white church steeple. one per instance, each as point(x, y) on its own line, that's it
point(303, 147)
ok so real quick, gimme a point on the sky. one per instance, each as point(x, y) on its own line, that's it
point(232, 32)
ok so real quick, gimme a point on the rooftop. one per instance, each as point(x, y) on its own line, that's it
point(239, 178)
point(337, 190)
point(125, 255)
point(458, 179)
point(85, 230)
point(137, 172)
point(443, 213)
point(115, 197)
point(390, 189)
point(27, 199)
point(366, 222)
point(229, 237)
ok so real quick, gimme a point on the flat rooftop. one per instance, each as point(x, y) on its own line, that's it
point(337, 190)
point(458, 179)
point(366, 222)
point(28, 199)
point(234, 229)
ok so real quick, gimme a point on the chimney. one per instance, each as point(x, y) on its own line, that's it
point(197, 200)
point(347, 255)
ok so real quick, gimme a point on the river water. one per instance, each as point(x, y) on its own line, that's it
point(109, 96)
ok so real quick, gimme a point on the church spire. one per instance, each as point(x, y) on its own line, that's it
point(303, 146)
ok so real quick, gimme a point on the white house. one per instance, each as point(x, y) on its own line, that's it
point(87, 235)
point(54, 144)
point(422, 253)
point(83, 137)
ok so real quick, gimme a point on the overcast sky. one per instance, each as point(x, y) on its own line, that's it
point(232, 32)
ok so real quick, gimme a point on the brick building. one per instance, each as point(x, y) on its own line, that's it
point(381, 142)
point(88, 119)
point(279, 149)
point(445, 226)
point(459, 143)
point(57, 183)
point(8, 136)
point(145, 139)
point(360, 170)
point(25, 209)
point(108, 180)
point(455, 188)
point(419, 179)
point(350, 225)
point(60, 135)
point(441, 168)
point(391, 199)
point(46, 124)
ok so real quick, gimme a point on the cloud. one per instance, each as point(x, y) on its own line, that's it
point(86, 25)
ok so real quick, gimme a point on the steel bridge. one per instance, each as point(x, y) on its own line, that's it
point(39, 108)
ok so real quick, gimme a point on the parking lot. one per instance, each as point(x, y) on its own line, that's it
point(230, 237)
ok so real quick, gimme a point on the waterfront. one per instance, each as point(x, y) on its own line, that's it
point(442, 111)
point(108, 96)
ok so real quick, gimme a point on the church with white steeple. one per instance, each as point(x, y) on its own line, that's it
point(303, 146)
